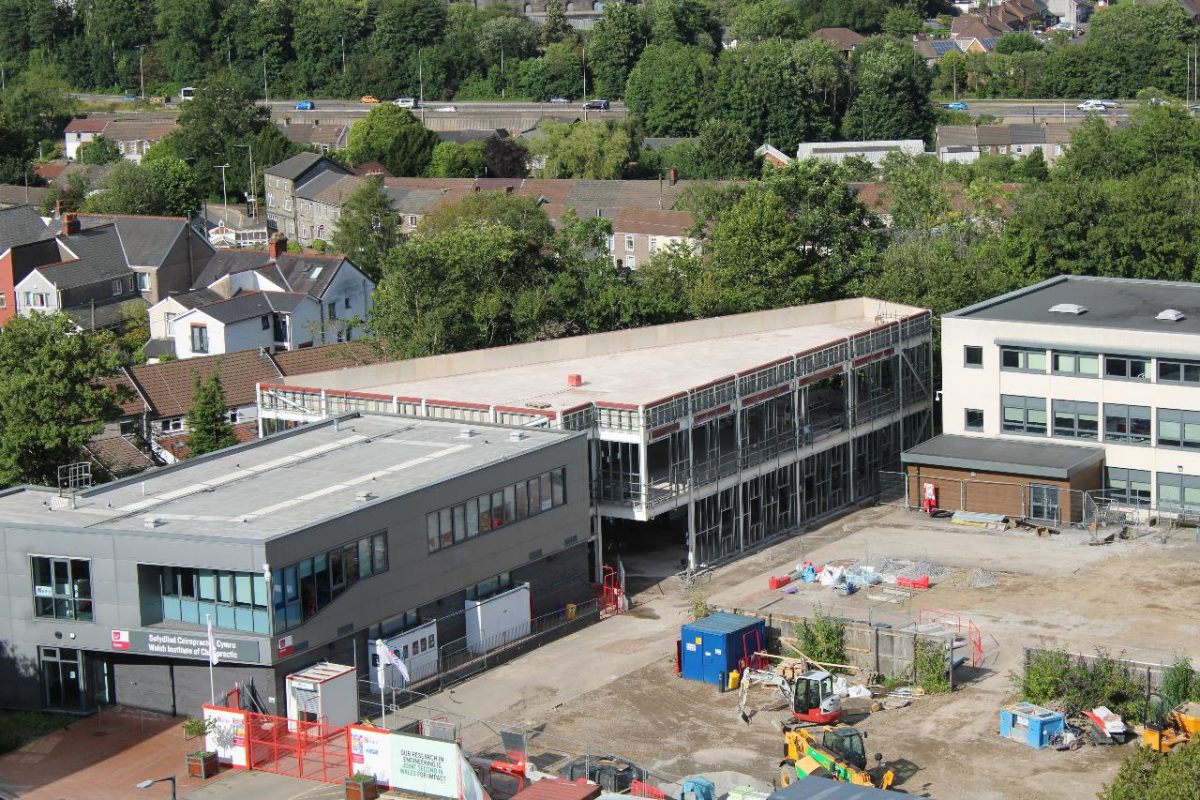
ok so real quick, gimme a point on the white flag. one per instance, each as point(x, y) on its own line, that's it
point(213, 658)
point(388, 657)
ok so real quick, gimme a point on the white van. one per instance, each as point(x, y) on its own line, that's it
point(405, 102)
point(187, 93)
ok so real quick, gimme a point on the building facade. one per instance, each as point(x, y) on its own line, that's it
point(300, 549)
point(1108, 364)
point(737, 429)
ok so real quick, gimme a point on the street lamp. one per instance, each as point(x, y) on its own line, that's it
point(252, 198)
point(224, 196)
point(148, 784)
point(141, 72)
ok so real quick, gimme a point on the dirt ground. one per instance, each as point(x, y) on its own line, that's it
point(1136, 597)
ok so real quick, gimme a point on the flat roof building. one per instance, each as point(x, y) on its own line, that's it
point(300, 548)
point(738, 427)
point(1101, 375)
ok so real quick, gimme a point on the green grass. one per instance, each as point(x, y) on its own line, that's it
point(19, 727)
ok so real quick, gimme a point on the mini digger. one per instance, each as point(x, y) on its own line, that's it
point(834, 751)
point(1168, 730)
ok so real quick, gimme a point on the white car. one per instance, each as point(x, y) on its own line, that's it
point(445, 109)
point(1092, 105)
point(405, 102)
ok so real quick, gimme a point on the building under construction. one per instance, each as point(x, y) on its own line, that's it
point(734, 429)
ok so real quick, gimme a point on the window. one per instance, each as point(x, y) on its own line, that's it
point(487, 512)
point(628, 242)
point(332, 311)
point(3, 300)
point(1178, 372)
point(653, 244)
point(1129, 486)
point(234, 416)
point(1178, 492)
point(1133, 368)
point(974, 419)
point(62, 587)
point(172, 424)
point(234, 600)
point(1022, 359)
point(631, 262)
point(266, 322)
point(117, 287)
point(1180, 429)
point(972, 355)
point(270, 199)
point(303, 589)
point(612, 243)
point(287, 203)
point(143, 281)
point(1025, 415)
point(346, 303)
point(1085, 365)
point(412, 220)
point(199, 339)
point(1076, 420)
point(169, 319)
point(132, 281)
point(1129, 424)
point(491, 587)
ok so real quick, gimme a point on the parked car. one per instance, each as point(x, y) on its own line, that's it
point(1092, 105)
point(560, 99)
point(957, 105)
point(369, 99)
point(1194, 109)
point(446, 109)
point(405, 102)
point(305, 105)
point(596, 105)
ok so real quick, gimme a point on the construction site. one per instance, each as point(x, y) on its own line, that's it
point(611, 695)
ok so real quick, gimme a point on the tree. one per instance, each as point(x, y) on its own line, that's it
point(515, 212)
point(208, 418)
point(99, 151)
point(764, 19)
point(617, 43)
point(515, 37)
point(555, 28)
point(51, 403)
point(1018, 43)
point(1148, 775)
point(690, 22)
point(557, 73)
point(902, 23)
point(163, 186)
point(892, 97)
point(185, 29)
point(393, 137)
point(1033, 166)
point(725, 150)
point(454, 160)
point(670, 89)
point(367, 229)
point(505, 157)
point(595, 150)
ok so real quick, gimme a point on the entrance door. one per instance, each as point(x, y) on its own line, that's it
point(64, 684)
point(1043, 502)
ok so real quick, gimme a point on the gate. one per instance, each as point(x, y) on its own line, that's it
point(300, 749)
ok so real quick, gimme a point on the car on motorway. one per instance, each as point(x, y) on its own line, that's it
point(596, 105)
point(957, 105)
point(306, 105)
point(560, 99)
point(369, 100)
point(1194, 109)
point(1092, 105)
point(446, 109)
point(405, 102)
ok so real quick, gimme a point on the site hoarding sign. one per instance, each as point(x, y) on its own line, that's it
point(371, 752)
point(425, 766)
point(185, 645)
point(227, 738)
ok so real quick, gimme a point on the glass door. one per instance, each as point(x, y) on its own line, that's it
point(1043, 502)
point(64, 683)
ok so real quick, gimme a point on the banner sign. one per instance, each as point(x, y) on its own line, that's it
point(371, 752)
point(425, 766)
point(228, 735)
point(185, 645)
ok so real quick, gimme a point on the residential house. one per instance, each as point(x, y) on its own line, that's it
point(932, 50)
point(25, 242)
point(90, 280)
point(770, 154)
point(639, 234)
point(12, 195)
point(874, 151)
point(282, 181)
point(79, 132)
point(305, 299)
point(319, 205)
point(966, 143)
point(324, 136)
point(167, 254)
point(843, 40)
point(878, 198)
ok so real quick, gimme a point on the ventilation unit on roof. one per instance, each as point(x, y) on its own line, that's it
point(515, 436)
point(1170, 315)
point(362, 497)
point(1067, 308)
point(466, 433)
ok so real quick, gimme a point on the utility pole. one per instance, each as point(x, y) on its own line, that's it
point(421, 80)
point(343, 55)
point(224, 196)
point(585, 74)
point(141, 72)
point(501, 69)
point(252, 197)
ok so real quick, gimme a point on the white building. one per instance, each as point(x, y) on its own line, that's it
point(247, 321)
point(874, 151)
point(1110, 364)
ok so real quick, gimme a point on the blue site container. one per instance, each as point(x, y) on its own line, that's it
point(711, 648)
point(1030, 724)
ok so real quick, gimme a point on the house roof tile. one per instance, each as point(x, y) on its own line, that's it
point(330, 357)
point(295, 166)
point(248, 305)
point(118, 455)
point(147, 240)
point(168, 385)
point(652, 222)
point(98, 256)
point(87, 125)
point(22, 225)
point(843, 38)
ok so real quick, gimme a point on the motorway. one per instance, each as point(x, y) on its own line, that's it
point(1035, 110)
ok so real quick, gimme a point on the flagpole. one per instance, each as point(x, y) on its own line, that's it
point(212, 685)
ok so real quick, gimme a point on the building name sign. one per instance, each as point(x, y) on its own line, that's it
point(185, 645)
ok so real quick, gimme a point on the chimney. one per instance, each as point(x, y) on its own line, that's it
point(70, 223)
point(673, 176)
point(277, 246)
